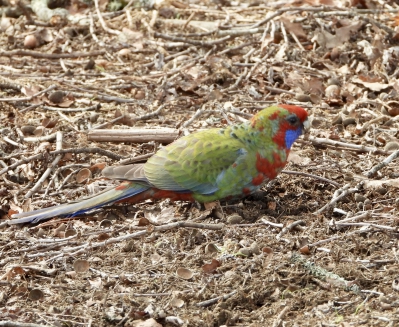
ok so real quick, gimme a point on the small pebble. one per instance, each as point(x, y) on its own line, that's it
point(255, 248)
point(245, 251)
point(28, 129)
point(360, 198)
point(234, 219)
point(382, 190)
point(334, 81)
point(349, 121)
point(391, 146)
point(337, 120)
point(302, 97)
point(57, 96)
point(94, 117)
point(333, 91)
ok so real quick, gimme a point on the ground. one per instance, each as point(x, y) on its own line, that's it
point(315, 247)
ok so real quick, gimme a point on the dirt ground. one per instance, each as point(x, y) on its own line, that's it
point(317, 247)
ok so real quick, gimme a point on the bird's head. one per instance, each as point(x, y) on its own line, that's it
point(283, 122)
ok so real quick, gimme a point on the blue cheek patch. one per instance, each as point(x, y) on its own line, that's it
point(291, 136)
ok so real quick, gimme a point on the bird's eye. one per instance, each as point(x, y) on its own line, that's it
point(293, 120)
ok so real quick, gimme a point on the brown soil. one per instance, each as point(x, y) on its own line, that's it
point(149, 264)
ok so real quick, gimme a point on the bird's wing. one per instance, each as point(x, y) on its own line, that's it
point(195, 163)
point(133, 172)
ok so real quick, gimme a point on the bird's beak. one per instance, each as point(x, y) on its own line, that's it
point(306, 126)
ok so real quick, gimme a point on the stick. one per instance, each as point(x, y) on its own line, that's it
point(49, 169)
point(135, 135)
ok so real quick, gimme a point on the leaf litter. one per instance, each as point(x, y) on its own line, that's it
point(318, 245)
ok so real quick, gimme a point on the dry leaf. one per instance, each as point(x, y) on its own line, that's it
point(36, 295)
point(83, 175)
point(166, 215)
point(295, 28)
point(267, 250)
point(372, 86)
point(143, 222)
point(103, 236)
point(211, 267)
point(81, 266)
point(305, 250)
point(96, 282)
point(147, 323)
point(184, 273)
point(177, 303)
point(211, 205)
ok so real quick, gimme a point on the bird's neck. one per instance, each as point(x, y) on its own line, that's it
point(256, 139)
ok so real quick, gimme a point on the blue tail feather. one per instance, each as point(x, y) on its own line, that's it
point(69, 210)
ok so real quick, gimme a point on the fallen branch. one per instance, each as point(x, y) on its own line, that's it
point(134, 135)
point(215, 300)
point(36, 54)
point(382, 164)
point(323, 274)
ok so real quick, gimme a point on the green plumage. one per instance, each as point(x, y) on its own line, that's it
point(217, 163)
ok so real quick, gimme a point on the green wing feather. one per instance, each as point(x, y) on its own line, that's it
point(196, 162)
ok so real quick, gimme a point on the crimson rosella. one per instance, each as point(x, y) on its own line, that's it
point(205, 166)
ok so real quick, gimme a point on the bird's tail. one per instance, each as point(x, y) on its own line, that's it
point(106, 197)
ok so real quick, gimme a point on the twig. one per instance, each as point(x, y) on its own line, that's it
point(349, 146)
point(235, 48)
point(283, 10)
point(280, 316)
point(130, 160)
point(12, 142)
point(290, 172)
point(190, 41)
point(271, 224)
point(297, 41)
point(382, 164)
point(333, 238)
point(367, 225)
point(102, 22)
point(63, 151)
point(33, 106)
point(52, 87)
point(238, 80)
point(198, 113)
point(135, 135)
point(338, 195)
point(49, 169)
point(356, 13)
point(290, 227)
point(216, 299)
point(323, 274)
point(40, 138)
point(104, 97)
point(92, 32)
point(43, 55)
point(168, 58)
point(366, 214)
point(139, 118)
point(100, 151)
point(277, 90)
point(311, 69)
point(9, 323)
point(93, 107)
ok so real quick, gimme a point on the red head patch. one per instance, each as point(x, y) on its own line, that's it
point(299, 111)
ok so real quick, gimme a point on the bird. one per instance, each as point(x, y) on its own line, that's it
point(205, 166)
